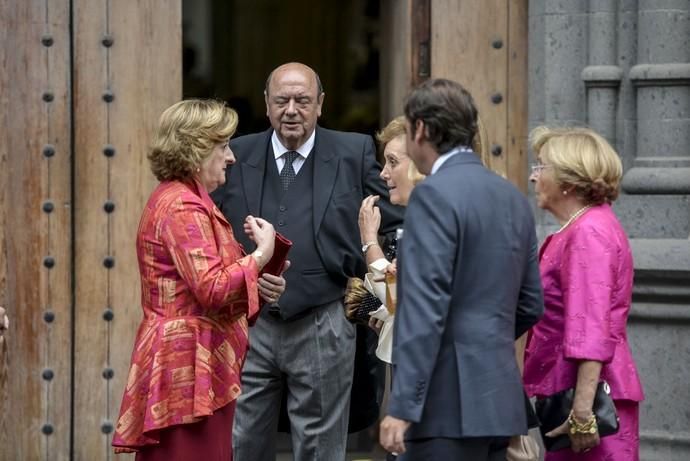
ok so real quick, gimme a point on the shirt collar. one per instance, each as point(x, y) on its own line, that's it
point(444, 157)
point(279, 149)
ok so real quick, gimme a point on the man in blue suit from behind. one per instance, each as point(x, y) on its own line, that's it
point(468, 286)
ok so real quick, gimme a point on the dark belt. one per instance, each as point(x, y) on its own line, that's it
point(273, 312)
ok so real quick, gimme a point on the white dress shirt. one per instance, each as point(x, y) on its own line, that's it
point(279, 150)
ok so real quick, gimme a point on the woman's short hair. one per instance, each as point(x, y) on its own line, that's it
point(186, 134)
point(581, 159)
point(395, 128)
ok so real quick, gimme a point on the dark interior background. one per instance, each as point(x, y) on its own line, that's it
point(230, 46)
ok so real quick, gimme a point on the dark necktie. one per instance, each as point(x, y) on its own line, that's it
point(287, 174)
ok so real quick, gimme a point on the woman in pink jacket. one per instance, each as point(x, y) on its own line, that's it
point(587, 274)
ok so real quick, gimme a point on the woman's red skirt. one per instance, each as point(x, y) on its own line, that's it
point(209, 440)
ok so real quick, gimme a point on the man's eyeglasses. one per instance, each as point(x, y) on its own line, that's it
point(537, 167)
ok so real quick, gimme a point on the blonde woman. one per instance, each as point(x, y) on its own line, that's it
point(400, 175)
point(199, 292)
point(587, 274)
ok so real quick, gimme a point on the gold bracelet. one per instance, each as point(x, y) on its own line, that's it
point(588, 427)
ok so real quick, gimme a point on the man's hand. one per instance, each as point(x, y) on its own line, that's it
point(4, 323)
point(392, 434)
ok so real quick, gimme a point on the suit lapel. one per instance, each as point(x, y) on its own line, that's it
point(325, 171)
point(253, 171)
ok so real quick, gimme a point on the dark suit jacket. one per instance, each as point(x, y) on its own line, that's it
point(468, 286)
point(345, 171)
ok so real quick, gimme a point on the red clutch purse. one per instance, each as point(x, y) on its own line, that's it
point(277, 262)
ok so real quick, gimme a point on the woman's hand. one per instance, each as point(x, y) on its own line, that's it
point(271, 287)
point(392, 268)
point(369, 219)
point(263, 234)
point(588, 373)
point(376, 325)
point(579, 442)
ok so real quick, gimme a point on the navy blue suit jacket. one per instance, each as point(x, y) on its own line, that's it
point(468, 285)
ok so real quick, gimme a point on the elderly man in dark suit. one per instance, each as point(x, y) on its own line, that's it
point(309, 182)
point(468, 286)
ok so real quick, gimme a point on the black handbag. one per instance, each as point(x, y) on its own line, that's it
point(553, 410)
point(358, 302)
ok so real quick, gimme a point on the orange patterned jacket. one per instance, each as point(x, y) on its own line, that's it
point(197, 292)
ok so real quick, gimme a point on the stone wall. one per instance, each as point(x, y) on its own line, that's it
point(622, 67)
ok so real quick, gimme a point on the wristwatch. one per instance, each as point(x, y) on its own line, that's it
point(367, 245)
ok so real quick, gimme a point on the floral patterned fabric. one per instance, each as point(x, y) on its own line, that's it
point(198, 291)
point(587, 275)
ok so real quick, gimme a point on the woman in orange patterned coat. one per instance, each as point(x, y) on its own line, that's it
point(199, 292)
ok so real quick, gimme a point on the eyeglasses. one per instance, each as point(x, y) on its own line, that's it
point(537, 167)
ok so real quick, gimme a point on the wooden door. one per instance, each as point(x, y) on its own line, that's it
point(81, 86)
point(35, 218)
point(127, 70)
point(480, 43)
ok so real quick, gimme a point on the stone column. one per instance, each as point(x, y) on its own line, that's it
point(556, 55)
point(656, 212)
point(662, 79)
point(661, 167)
point(602, 76)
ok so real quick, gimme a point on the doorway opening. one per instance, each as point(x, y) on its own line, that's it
point(230, 46)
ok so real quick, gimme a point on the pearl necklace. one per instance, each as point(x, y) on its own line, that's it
point(574, 216)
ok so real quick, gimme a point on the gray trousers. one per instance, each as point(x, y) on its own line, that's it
point(316, 355)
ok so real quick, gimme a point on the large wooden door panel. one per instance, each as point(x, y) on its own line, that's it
point(127, 70)
point(35, 219)
point(480, 43)
point(81, 86)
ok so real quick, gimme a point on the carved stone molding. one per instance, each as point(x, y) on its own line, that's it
point(669, 74)
point(602, 76)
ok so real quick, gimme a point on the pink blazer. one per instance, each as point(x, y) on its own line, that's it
point(587, 275)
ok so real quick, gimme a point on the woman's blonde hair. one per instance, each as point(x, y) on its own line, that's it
point(581, 159)
point(395, 128)
point(480, 142)
point(186, 135)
